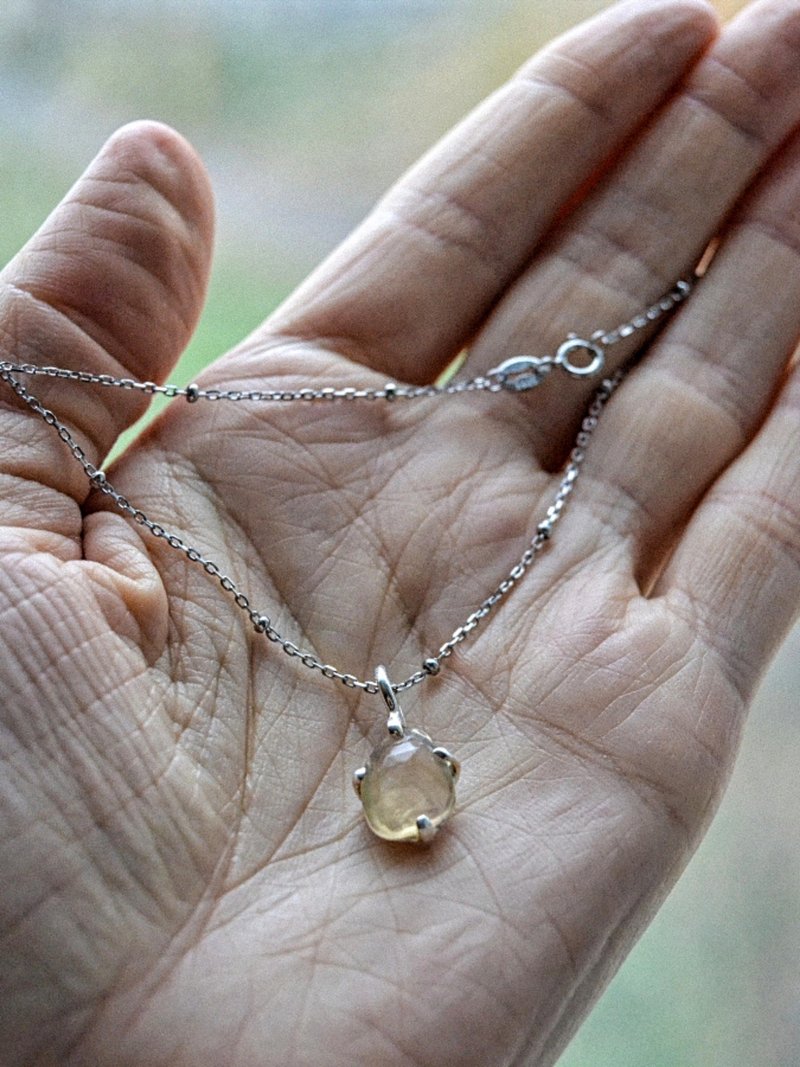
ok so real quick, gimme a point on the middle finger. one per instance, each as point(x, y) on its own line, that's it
point(650, 220)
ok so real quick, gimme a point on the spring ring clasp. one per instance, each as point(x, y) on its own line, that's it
point(575, 344)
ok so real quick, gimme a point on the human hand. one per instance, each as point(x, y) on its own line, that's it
point(186, 875)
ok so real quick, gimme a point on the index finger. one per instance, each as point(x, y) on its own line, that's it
point(409, 288)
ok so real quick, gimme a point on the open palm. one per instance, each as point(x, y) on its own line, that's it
point(186, 876)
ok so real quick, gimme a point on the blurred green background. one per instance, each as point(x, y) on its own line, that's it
point(304, 111)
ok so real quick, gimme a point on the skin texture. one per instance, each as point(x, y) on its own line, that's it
point(185, 878)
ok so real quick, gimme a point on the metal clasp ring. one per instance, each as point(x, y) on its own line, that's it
point(577, 344)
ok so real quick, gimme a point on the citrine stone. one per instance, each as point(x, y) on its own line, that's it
point(403, 782)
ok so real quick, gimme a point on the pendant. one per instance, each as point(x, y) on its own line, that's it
point(407, 787)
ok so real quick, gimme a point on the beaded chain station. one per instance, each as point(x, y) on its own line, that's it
point(518, 374)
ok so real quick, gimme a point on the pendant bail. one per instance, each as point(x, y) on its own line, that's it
point(396, 722)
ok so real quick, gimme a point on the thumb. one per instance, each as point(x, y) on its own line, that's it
point(112, 283)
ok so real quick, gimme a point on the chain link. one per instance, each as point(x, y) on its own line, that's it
point(516, 374)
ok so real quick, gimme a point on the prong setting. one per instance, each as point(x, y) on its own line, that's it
point(425, 829)
point(447, 757)
point(358, 777)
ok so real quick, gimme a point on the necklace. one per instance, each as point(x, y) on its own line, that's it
point(407, 786)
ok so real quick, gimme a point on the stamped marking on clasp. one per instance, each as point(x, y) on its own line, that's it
point(522, 372)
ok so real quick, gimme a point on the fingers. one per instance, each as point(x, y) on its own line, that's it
point(655, 212)
point(702, 393)
point(113, 282)
point(736, 571)
point(409, 288)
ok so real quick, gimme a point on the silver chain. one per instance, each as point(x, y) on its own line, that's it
point(517, 374)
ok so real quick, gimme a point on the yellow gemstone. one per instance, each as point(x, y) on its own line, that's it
point(406, 787)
